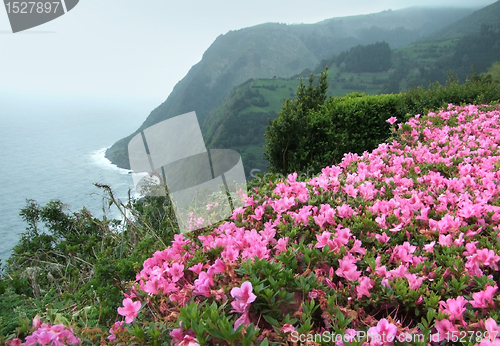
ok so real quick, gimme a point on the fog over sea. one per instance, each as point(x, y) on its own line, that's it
point(53, 148)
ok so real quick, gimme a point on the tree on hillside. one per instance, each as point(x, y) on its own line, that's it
point(370, 58)
point(479, 50)
point(285, 134)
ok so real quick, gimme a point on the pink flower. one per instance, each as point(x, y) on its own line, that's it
point(56, 335)
point(382, 238)
point(358, 248)
point(287, 328)
point(429, 247)
point(365, 283)
point(242, 319)
point(347, 269)
point(391, 120)
point(176, 271)
point(383, 334)
point(117, 327)
point(443, 327)
point(445, 240)
point(243, 298)
point(217, 268)
point(399, 272)
point(345, 211)
point(484, 298)
point(454, 307)
point(350, 190)
point(323, 239)
point(202, 284)
point(130, 310)
point(189, 341)
point(37, 322)
point(177, 333)
point(281, 245)
point(413, 281)
point(14, 342)
point(230, 254)
point(244, 294)
point(45, 337)
point(492, 328)
point(259, 211)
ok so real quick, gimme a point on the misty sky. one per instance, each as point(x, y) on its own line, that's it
point(123, 49)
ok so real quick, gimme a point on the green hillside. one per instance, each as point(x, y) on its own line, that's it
point(470, 24)
point(239, 122)
point(281, 50)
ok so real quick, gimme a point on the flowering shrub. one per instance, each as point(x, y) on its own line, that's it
point(400, 242)
point(46, 334)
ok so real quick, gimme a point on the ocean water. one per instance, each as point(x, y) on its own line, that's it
point(53, 148)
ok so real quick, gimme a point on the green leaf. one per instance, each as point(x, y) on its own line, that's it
point(271, 320)
point(264, 342)
point(216, 333)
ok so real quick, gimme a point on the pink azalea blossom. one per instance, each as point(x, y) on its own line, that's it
point(323, 239)
point(287, 328)
point(365, 284)
point(177, 271)
point(382, 238)
point(117, 327)
point(217, 268)
point(243, 298)
point(130, 310)
point(429, 247)
point(14, 342)
point(382, 334)
point(202, 284)
point(413, 281)
point(347, 269)
point(243, 319)
point(56, 335)
point(281, 245)
point(454, 307)
point(445, 328)
point(244, 293)
point(484, 298)
point(37, 323)
point(492, 328)
point(189, 341)
point(392, 120)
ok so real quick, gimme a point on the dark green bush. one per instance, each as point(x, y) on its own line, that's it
point(354, 123)
point(477, 90)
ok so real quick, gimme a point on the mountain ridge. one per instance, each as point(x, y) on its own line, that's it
point(470, 24)
point(274, 49)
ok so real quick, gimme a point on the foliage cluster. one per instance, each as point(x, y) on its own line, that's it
point(368, 58)
point(71, 268)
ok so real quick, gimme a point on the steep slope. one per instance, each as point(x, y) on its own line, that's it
point(470, 24)
point(239, 122)
point(268, 50)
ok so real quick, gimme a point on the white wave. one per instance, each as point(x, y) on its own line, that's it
point(99, 159)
